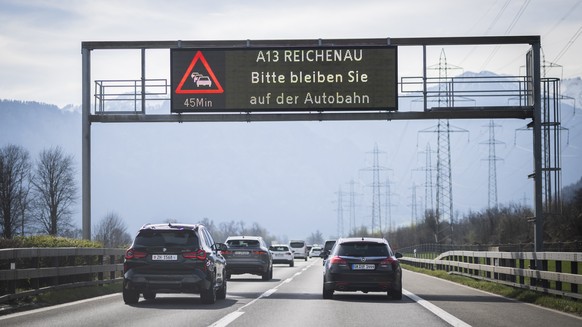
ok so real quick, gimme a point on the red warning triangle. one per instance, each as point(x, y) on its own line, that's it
point(202, 84)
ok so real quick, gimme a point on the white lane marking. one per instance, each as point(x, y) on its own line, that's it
point(269, 292)
point(288, 280)
point(227, 319)
point(233, 315)
point(449, 318)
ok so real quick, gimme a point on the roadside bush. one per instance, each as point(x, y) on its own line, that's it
point(47, 241)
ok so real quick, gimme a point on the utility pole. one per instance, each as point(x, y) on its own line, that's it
point(352, 206)
point(492, 159)
point(388, 205)
point(340, 212)
point(444, 186)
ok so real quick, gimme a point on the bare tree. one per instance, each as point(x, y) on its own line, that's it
point(112, 232)
point(55, 191)
point(316, 238)
point(14, 172)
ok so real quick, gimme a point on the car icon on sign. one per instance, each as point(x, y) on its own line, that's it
point(203, 81)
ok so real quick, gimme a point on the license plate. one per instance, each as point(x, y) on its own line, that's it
point(363, 266)
point(241, 253)
point(278, 254)
point(164, 257)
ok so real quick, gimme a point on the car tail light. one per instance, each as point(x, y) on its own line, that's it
point(259, 252)
point(338, 261)
point(389, 262)
point(133, 254)
point(200, 255)
point(226, 252)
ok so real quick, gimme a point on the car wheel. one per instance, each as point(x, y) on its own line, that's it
point(130, 296)
point(149, 295)
point(208, 296)
point(292, 263)
point(305, 258)
point(221, 293)
point(268, 275)
point(395, 294)
point(327, 293)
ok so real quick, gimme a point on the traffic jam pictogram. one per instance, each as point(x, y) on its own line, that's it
point(195, 82)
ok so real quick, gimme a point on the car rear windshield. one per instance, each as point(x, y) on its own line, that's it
point(279, 248)
point(363, 249)
point(328, 245)
point(243, 243)
point(153, 238)
point(297, 244)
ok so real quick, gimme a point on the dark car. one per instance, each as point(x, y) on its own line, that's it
point(327, 248)
point(248, 255)
point(362, 264)
point(174, 258)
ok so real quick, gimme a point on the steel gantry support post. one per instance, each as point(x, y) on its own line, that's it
point(537, 150)
point(86, 143)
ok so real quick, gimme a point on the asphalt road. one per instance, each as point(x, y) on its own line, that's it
point(293, 298)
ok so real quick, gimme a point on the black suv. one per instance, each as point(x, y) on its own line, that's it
point(363, 264)
point(174, 258)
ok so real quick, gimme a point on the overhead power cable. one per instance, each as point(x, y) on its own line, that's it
point(568, 45)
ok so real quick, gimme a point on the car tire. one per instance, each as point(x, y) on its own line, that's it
point(327, 293)
point(149, 295)
point(221, 293)
point(130, 296)
point(268, 275)
point(395, 294)
point(292, 263)
point(208, 296)
point(305, 258)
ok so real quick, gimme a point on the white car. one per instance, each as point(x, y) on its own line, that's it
point(299, 248)
point(282, 253)
point(315, 251)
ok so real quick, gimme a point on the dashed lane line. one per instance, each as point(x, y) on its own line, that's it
point(449, 318)
point(226, 320)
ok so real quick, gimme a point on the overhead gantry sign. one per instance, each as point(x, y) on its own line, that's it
point(284, 79)
point(300, 80)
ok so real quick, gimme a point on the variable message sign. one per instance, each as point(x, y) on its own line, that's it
point(284, 79)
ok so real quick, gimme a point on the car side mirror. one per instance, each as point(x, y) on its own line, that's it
point(398, 255)
point(324, 254)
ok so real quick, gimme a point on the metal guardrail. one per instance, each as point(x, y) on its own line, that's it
point(129, 95)
point(559, 273)
point(31, 271)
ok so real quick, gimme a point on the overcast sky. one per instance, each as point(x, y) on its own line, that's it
point(40, 60)
point(40, 40)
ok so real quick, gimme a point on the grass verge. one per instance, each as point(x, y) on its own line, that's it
point(558, 303)
point(75, 294)
point(59, 297)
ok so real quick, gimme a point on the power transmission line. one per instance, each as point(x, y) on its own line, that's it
point(444, 188)
point(569, 44)
point(376, 189)
point(492, 159)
